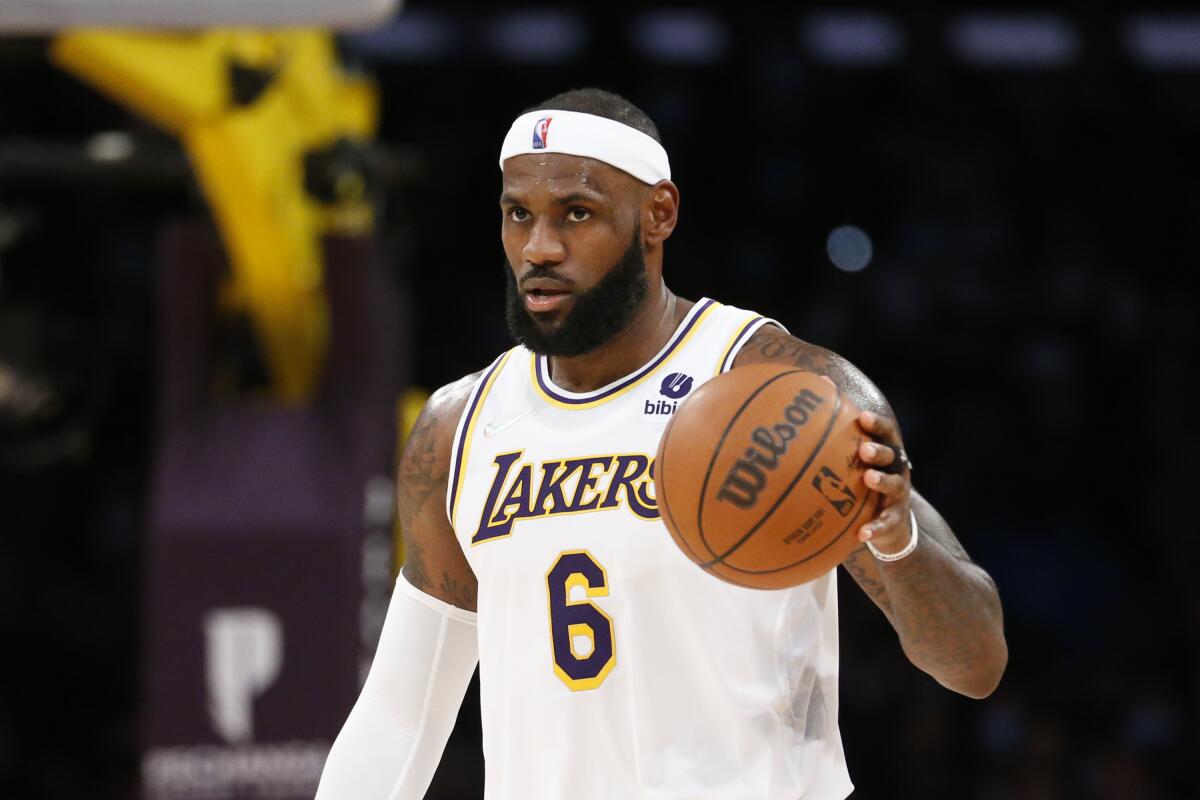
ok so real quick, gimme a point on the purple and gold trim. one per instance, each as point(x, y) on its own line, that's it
point(739, 339)
point(462, 442)
point(555, 396)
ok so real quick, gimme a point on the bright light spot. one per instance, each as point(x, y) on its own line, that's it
point(849, 248)
point(538, 36)
point(110, 146)
point(1165, 41)
point(411, 36)
point(1015, 40)
point(681, 36)
point(856, 38)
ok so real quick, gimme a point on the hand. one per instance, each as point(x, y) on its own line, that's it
point(891, 530)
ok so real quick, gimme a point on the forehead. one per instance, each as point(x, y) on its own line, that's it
point(552, 174)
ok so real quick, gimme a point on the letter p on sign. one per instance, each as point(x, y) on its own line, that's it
point(244, 653)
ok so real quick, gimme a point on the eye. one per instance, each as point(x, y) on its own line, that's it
point(517, 214)
point(578, 214)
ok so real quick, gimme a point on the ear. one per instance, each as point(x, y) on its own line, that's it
point(660, 213)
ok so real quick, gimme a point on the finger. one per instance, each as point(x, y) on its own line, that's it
point(880, 455)
point(900, 461)
point(888, 521)
point(881, 428)
point(884, 483)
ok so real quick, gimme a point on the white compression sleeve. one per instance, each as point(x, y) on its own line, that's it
point(395, 734)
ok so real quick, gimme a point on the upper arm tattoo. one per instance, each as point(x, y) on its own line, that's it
point(771, 345)
point(421, 472)
point(433, 560)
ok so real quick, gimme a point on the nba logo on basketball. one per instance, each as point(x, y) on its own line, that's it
point(541, 133)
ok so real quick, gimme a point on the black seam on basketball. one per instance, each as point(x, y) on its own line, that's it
point(828, 545)
point(717, 452)
point(837, 409)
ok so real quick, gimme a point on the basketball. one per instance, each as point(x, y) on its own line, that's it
point(758, 478)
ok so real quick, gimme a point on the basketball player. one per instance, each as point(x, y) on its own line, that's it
point(611, 666)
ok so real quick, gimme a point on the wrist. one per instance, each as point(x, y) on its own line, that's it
point(890, 553)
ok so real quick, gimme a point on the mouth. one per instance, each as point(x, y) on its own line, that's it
point(539, 300)
point(543, 294)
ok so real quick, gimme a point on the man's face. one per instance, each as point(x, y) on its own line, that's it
point(575, 275)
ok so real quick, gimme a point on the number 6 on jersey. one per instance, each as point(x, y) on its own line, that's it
point(570, 620)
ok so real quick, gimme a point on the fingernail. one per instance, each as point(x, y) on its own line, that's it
point(867, 534)
point(872, 451)
point(873, 477)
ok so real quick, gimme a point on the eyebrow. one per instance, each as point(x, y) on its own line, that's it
point(573, 197)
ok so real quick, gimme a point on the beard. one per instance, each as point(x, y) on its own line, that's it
point(595, 316)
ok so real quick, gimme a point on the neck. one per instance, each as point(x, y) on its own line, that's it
point(648, 333)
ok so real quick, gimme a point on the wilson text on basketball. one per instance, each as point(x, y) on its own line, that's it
point(748, 475)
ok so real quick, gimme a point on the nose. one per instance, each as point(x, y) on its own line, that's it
point(544, 246)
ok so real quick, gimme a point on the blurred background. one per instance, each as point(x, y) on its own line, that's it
point(232, 262)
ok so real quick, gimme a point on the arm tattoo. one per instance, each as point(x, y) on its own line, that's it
point(421, 471)
point(944, 608)
point(414, 562)
point(770, 345)
point(418, 480)
point(460, 593)
point(857, 566)
point(433, 559)
point(944, 615)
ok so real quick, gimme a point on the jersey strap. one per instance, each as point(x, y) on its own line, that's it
point(740, 337)
point(466, 428)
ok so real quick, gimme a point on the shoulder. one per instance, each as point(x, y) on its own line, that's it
point(451, 399)
point(444, 408)
point(772, 345)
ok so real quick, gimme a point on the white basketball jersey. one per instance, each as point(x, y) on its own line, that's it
point(611, 666)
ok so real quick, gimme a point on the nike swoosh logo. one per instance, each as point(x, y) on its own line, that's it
point(492, 428)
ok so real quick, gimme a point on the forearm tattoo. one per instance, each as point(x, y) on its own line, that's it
point(856, 565)
point(945, 608)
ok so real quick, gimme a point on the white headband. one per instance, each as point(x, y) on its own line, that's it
point(578, 134)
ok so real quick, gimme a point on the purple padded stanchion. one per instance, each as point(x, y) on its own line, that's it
point(257, 567)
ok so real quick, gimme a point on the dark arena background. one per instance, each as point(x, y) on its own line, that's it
point(232, 261)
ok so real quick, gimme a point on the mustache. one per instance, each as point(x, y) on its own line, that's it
point(540, 271)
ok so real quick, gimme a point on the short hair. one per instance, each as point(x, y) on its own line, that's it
point(601, 103)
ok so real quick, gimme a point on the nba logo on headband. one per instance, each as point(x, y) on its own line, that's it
point(541, 133)
point(587, 136)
